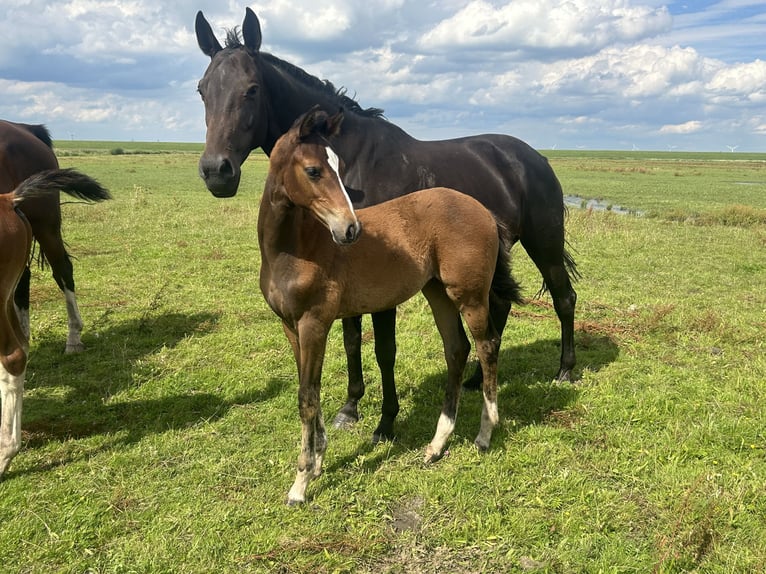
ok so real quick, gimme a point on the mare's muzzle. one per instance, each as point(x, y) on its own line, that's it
point(220, 174)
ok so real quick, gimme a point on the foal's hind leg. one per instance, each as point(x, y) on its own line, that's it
point(12, 371)
point(456, 349)
point(487, 348)
point(52, 247)
point(499, 309)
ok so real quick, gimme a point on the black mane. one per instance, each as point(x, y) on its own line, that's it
point(345, 101)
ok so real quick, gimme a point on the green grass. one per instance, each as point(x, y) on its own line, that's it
point(169, 445)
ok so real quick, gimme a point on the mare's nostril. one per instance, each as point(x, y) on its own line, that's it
point(351, 233)
point(226, 168)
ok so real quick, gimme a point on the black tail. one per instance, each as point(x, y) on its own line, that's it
point(69, 181)
point(504, 286)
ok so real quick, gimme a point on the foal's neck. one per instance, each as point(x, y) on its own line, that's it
point(286, 228)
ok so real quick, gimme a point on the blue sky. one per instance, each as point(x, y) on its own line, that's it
point(611, 74)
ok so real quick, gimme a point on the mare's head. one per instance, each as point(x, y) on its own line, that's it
point(306, 169)
point(236, 108)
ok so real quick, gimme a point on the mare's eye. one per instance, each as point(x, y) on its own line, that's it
point(313, 172)
point(251, 92)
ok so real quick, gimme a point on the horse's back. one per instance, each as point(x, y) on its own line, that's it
point(436, 222)
point(505, 174)
point(24, 151)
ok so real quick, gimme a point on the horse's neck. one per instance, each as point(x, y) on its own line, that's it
point(282, 226)
point(288, 99)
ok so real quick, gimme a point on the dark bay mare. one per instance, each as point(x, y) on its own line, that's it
point(26, 150)
point(251, 98)
point(315, 268)
point(16, 242)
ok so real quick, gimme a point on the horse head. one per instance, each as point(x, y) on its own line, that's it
point(235, 104)
point(308, 170)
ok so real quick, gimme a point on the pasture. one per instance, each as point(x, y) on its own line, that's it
point(168, 445)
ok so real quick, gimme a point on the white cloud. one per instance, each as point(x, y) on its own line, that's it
point(545, 25)
point(685, 128)
point(616, 70)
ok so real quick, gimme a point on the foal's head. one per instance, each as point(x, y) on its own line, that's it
point(307, 170)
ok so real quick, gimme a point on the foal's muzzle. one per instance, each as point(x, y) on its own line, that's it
point(349, 235)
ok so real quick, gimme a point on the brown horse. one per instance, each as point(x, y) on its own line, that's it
point(413, 243)
point(16, 242)
point(24, 151)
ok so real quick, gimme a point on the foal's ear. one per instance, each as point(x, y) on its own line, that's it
point(251, 31)
point(311, 122)
point(206, 40)
point(333, 124)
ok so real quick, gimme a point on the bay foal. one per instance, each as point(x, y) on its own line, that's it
point(438, 241)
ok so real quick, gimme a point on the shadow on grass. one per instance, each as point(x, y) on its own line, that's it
point(526, 396)
point(110, 364)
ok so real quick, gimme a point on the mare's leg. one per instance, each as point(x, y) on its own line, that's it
point(456, 349)
point(352, 341)
point(309, 343)
point(52, 245)
point(384, 324)
point(21, 301)
point(558, 282)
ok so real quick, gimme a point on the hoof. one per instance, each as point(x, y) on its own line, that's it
point(433, 456)
point(344, 421)
point(564, 376)
point(378, 437)
point(71, 349)
point(295, 502)
point(483, 447)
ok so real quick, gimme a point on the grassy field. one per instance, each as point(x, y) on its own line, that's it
point(169, 445)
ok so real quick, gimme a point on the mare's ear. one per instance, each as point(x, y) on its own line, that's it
point(206, 40)
point(333, 124)
point(251, 31)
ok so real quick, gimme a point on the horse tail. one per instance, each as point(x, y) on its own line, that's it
point(69, 180)
point(504, 286)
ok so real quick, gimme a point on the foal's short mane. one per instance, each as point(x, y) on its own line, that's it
point(233, 41)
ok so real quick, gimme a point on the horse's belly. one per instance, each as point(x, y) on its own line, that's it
point(370, 297)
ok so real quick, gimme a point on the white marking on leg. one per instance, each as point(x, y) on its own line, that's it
point(489, 418)
point(297, 494)
point(444, 429)
point(11, 395)
point(73, 341)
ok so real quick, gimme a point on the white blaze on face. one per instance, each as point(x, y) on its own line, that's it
point(332, 159)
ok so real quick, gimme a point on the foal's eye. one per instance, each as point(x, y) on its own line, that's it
point(251, 92)
point(313, 172)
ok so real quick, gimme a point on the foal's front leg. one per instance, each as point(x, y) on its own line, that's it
point(308, 345)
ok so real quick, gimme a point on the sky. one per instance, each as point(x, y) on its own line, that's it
point(558, 74)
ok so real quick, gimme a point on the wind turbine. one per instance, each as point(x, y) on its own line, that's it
point(732, 148)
